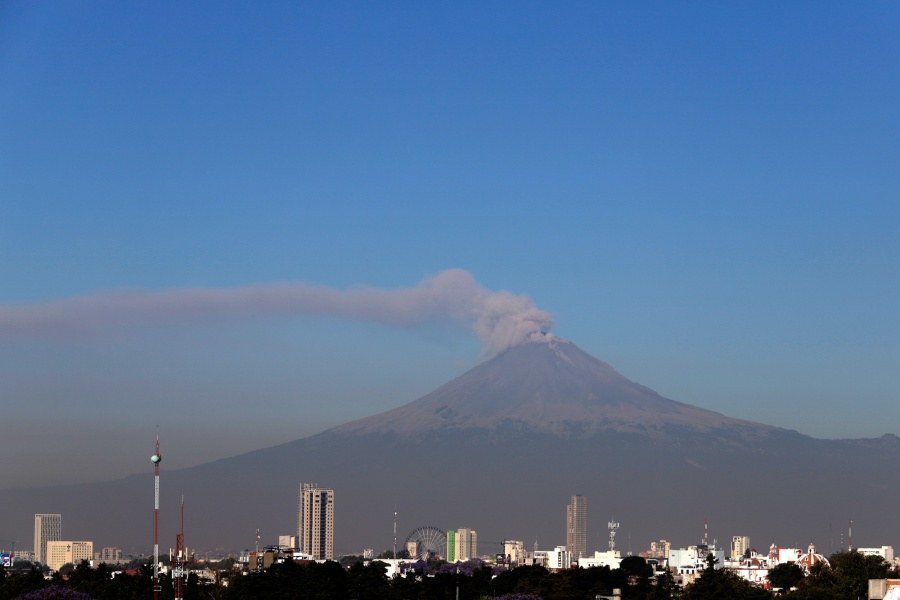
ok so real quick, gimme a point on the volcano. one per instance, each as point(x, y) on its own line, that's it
point(501, 449)
point(549, 386)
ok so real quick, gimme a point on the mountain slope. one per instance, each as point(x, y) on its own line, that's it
point(548, 386)
point(501, 449)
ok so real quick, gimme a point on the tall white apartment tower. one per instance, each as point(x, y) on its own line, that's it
point(315, 521)
point(47, 528)
point(466, 544)
point(576, 527)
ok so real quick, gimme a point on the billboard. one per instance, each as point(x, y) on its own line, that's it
point(5, 560)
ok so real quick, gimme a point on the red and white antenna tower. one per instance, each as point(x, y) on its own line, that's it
point(155, 459)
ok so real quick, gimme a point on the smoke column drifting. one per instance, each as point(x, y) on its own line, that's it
point(499, 319)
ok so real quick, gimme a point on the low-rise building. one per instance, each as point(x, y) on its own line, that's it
point(60, 553)
point(885, 552)
point(608, 558)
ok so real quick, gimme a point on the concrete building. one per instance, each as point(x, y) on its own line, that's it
point(692, 560)
point(607, 558)
point(514, 551)
point(315, 521)
point(739, 546)
point(109, 555)
point(659, 549)
point(60, 553)
point(47, 528)
point(576, 527)
point(885, 552)
point(287, 542)
point(465, 544)
point(557, 559)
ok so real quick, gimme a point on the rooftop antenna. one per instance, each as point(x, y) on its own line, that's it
point(850, 536)
point(612, 526)
point(155, 459)
point(179, 559)
point(395, 532)
point(705, 532)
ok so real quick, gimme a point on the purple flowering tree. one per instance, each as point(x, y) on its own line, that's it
point(55, 592)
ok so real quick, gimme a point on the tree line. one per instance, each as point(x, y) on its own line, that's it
point(845, 579)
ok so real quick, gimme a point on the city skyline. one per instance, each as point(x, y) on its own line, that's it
point(703, 197)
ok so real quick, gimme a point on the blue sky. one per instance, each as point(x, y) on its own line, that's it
point(704, 195)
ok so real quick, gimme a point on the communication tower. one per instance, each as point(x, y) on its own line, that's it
point(612, 526)
point(179, 559)
point(155, 459)
point(850, 536)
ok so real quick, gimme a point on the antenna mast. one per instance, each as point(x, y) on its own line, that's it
point(155, 459)
point(612, 526)
point(395, 532)
point(850, 536)
point(179, 559)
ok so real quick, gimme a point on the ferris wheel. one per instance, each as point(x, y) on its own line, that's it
point(430, 541)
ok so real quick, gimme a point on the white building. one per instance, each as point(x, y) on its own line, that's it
point(555, 560)
point(692, 560)
point(754, 569)
point(885, 552)
point(607, 558)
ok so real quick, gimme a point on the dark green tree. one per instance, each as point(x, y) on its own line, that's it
point(785, 576)
point(852, 572)
point(665, 587)
point(521, 580)
point(722, 584)
point(368, 582)
point(635, 566)
point(22, 582)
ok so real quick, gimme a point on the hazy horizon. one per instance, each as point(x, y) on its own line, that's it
point(248, 225)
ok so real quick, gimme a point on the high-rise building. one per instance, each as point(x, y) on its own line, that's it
point(576, 527)
point(451, 546)
point(465, 544)
point(739, 545)
point(47, 528)
point(61, 553)
point(315, 521)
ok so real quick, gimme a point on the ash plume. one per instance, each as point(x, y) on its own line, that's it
point(500, 319)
